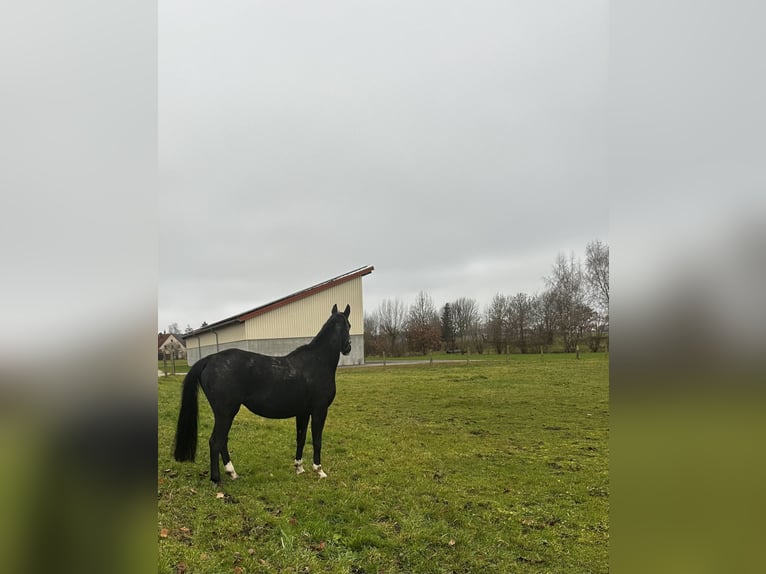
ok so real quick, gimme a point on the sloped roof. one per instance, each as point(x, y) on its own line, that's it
point(297, 296)
point(162, 337)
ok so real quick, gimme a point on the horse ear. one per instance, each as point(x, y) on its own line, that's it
point(347, 312)
point(334, 309)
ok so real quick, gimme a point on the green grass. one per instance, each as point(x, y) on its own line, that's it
point(181, 366)
point(496, 466)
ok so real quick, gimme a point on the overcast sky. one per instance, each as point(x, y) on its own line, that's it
point(456, 146)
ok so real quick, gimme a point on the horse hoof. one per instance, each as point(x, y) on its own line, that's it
point(318, 469)
point(230, 470)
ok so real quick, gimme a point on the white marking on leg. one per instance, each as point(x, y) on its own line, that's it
point(299, 466)
point(229, 468)
point(318, 469)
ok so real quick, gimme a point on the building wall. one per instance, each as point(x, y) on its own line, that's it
point(284, 329)
point(167, 347)
point(274, 347)
point(305, 317)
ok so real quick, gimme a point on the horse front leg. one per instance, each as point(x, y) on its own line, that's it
point(317, 426)
point(301, 426)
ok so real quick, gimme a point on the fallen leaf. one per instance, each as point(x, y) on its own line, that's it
point(451, 542)
point(180, 567)
point(204, 556)
point(251, 551)
point(238, 570)
point(192, 491)
point(164, 533)
point(293, 521)
point(219, 495)
point(183, 529)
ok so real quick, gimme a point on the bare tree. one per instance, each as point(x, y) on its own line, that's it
point(465, 314)
point(597, 273)
point(173, 328)
point(597, 277)
point(520, 309)
point(392, 317)
point(494, 321)
point(423, 328)
point(372, 334)
point(543, 319)
point(568, 289)
point(598, 332)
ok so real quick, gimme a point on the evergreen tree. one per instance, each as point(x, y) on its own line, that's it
point(448, 327)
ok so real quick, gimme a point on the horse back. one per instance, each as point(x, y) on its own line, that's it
point(273, 387)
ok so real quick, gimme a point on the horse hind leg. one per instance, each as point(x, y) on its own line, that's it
point(301, 427)
point(219, 446)
point(229, 466)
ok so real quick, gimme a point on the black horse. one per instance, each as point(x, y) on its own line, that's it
point(300, 385)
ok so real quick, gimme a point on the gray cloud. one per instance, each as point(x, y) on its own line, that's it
point(456, 148)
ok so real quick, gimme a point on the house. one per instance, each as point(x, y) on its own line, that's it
point(281, 326)
point(170, 346)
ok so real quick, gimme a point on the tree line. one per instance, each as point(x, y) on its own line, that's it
point(572, 310)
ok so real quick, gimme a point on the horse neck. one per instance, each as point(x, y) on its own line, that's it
point(327, 342)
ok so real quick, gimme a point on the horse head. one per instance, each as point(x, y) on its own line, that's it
point(344, 326)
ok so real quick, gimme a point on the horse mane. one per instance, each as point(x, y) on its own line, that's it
point(328, 326)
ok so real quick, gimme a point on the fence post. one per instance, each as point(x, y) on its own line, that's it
point(165, 361)
point(577, 351)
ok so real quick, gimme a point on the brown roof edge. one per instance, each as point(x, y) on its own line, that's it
point(318, 288)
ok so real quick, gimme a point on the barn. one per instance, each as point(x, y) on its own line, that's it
point(278, 327)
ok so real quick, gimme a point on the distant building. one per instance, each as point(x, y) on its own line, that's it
point(170, 345)
point(281, 326)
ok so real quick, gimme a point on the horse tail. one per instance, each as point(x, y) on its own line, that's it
point(186, 431)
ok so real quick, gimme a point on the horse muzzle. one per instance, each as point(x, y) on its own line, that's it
point(347, 349)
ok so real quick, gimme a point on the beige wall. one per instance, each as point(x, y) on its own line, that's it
point(280, 331)
point(304, 318)
point(227, 334)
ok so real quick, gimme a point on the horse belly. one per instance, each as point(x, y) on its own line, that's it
point(272, 407)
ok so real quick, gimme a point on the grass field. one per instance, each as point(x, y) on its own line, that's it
point(495, 466)
point(181, 366)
